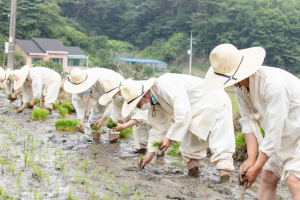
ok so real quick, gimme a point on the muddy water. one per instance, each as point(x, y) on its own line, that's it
point(111, 173)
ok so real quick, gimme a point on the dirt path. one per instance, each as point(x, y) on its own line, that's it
point(110, 174)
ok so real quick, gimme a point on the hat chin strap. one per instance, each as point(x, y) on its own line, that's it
point(137, 96)
point(77, 83)
point(230, 77)
point(115, 88)
point(4, 78)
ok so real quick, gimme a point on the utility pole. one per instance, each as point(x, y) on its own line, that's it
point(190, 52)
point(12, 34)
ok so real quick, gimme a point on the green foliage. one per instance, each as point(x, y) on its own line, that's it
point(27, 104)
point(125, 133)
point(63, 112)
point(56, 66)
point(9, 97)
point(240, 140)
point(66, 124)
point(38, 102)
point(175, 70)
point(19, 60)
point(156, 144)
point(39, 114)
point(111, 123)
point(66, 106)
point(55, 105)
point(174, 150)
point(96, 128)
point(138, 67)
point(148, 71)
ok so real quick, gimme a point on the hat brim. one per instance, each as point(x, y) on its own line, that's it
point(7, 72)
point(92, 77)
point(253, 59)
point(128, 108)
point(18, 84)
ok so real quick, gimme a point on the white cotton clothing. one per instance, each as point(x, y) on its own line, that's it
point(200, 118)
point(273, 104)
point(143, 127)
point(9, 86)
point(84, 104)
point(41, 81)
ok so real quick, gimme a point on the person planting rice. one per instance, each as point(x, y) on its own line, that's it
point(112, 88)
point(6, 82)
point(267, 97)
point(86, 87)
point(201, 120)
point(37, 82)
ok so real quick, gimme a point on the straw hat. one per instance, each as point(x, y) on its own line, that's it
point(4, 76)
point(230, 65)
point(111, 87)
point(132, 93)
point(80, 80)
point(20, 76)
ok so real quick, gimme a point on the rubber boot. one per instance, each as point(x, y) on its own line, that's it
point(193, 166)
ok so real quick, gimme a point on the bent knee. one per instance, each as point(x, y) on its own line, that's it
point(293, 181)
point(269, 177)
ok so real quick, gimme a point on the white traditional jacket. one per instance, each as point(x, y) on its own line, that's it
point(273, 104)
point(84, 103)
point(9, 85)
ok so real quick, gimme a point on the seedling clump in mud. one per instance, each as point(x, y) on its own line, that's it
point(125, 133)
point(111, 123)
point(27, 104)
point(55, 105)
point(38, 102)
point(39, 114)
point(66, 106)
point(96, 128)
point(174, 151)
point(63, 112)
point(156, 144)
point(9, 97)
point(66, 124)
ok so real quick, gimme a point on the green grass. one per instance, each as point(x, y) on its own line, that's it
point(156, 144)
point(240, 140)
point(66, 124)
point(111, 123)
point(27, 104)
point(125, 133)
point(63, 112)
point(38, 102)
point(174, 150)
point(55, 105)
point(9, 97)
point(96, 128)
point(66, 106)
point(39, 114)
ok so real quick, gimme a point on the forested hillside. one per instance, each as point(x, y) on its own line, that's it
point(161, 27)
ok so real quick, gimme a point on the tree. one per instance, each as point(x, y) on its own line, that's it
point(138, 67)
point(175, 70)
point(50, 64)
point(148, 71)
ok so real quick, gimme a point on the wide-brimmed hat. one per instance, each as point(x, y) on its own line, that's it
point(80, 80)
point(132, 93)
point(230, 65)
point(4, 76)
point(20, 76)
point(111, 87)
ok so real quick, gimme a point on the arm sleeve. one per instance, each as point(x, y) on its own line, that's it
point(37, 84)
point(8, 87)
point(277, 108)
point(79, 105)
point(245, 111)
point(140, 116)
point(108, 110)
point(180, 102)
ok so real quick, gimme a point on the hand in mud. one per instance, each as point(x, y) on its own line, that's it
point(99, 122)
point(81, 121)
point(147, 158)
point(13, 96)
point(32, 103)
point(165, 143)
point(119, 127)
point(251, 175)
point(244, 168)
point(20, 110)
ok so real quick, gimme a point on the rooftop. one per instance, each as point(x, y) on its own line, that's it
point(141, 60)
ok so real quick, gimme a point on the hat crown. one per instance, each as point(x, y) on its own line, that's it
point(78, 76)
point(2, 74)
point(110, 83)
point(17, 75)
point(131, 90)
point(224, 58)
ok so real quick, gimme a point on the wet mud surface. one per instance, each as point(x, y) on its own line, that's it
point(70, 165)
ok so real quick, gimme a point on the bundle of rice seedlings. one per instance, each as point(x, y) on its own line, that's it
point(38, 102)
point(66, 106)
point(240, 140)
point(55, 105)
point(63, 112)
point(9, 97)
point(262, 131)
point(96, 128)
point(27, 104)
point(111, 123)
point(66, 124)
point(39, 114)
point(156, 144)
point(125, 133)
point(174, 150)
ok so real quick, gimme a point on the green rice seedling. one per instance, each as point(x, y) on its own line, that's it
point(9, 97)
point(66, 106)
point(55, 105)
point(139, 195)
point(19, 179)
point(11, 109)
point(104, 176)
point(39, 171)
point(56, 162)
point(111, 123)
point(26, 158)
point(156, 144)
point(72, 158)
point(66, 124)
point(123, 188)
point(38, 102)
point(70, 194)
point(75, 197)
point(86, 164)
point(56, 187)
point(4, 145)
point(1, 160)
point(63, 164)
point(1, 190)
point(125, 133)
point(41, 142)
point(27, 104)
point(240, 140)
point(60, 154)
point(174, 150)
point(28, 135)
point(96, 128)
point(57, 149)
point(86, 185)
point(111, 183)
point(141, 160)
point(41, 197)
point(94, 193)
point(31, 188)
point(39, 114)
point(47, 147)
point(35, 195)
point(95, 171)
point(24, 142)
point(12, 168)
point(95, 149)
point(48, 179)
point(79, 180)
point(4, 195)
point(40, 156)
point(63, 112)
point(32, 147)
